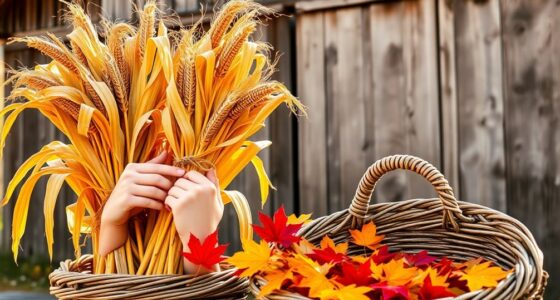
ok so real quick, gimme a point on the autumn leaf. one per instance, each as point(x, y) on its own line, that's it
point(302, 219)
point(314, 275)
point(275, 279)
point(445, 266)
point(435, 278)
point(483, 275)
point(396, 273)
point(327, 242)
point(304, 247)
point(366, 236)
point(429, 291)
point(254, 258)
point(359, 275)
point(207, 253)
point(420, 259)
point(382, 255)
point(277, 230)
point(389, 292)
point(349, 292)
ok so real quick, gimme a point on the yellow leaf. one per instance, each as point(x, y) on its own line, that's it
point(274, 281)
point(302, 219)
point(314, 275)
point(254, 258)
point(395, 273)
point(349, 292)
point(482, 275)
point(366, 236)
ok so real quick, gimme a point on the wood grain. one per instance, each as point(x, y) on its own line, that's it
point(405, 92)
point(532, 106)
point(312, 161)
point(480, 103)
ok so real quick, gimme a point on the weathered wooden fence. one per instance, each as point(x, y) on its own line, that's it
point(472, 86)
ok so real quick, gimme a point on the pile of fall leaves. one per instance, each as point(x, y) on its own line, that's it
point(285, 261)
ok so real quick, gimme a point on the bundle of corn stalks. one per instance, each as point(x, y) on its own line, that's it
point(200, 95)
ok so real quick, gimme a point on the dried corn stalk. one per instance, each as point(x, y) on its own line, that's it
point(126, 99)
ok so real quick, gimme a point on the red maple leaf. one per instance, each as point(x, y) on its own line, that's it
point(327, 255)
point(205, 254)
point(444, 266)
point(359, 275)
point(429, 292)
point(391, 292)
point(277, 230)
point(382, 255)
point(420, 259)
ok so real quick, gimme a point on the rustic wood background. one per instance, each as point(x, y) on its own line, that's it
point(472, 86)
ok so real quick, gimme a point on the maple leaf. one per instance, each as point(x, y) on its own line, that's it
point(429, 291)
point(254, 258)
point(302, 219)
point(359, 275)
point(207, 253)
point(382, 255)
point(444, 266)
point(397, 274)
point(435, 277)
point(327, 255)
point(482, 275)
point(277, 230)
point(327, 242)
point(366, 236)
point(420, 259)
point(391, 292)
point(314, 275)
point(275, 279)
point(304, 247)
point(348, 292)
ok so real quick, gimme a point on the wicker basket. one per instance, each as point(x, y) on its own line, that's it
point(468, 231)
point(74, 280)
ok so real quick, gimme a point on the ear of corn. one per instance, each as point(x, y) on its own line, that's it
point(126, 99)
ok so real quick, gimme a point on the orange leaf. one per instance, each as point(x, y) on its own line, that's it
point(349, 292)
point(479, 276)
point(274, 281)
point(314, 274)
point(397, 274)
point(326, 242)
point(366, 236)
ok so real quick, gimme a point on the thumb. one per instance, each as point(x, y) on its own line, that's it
point(212, 176)
point(160, 159)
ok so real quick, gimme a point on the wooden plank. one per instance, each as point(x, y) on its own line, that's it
point(315, 5)
point(531, 43)
point(480, 103)
point(310, 30)
point(448, 95)
point(405, 95)
point(347, 145)
point(282, 126)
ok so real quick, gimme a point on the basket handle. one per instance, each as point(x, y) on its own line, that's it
point(452, 214)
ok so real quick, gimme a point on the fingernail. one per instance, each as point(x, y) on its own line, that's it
point(167, 207)
point(180, 172)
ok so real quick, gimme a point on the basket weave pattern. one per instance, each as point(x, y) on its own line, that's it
point(74, 280)
point(443, 226)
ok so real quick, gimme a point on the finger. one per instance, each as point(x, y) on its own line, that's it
point(159, 159)
point(185, 184)
point(176, 192)
point(196, 177)
point(157, 180)
point(171, 202)
point(213, 177)
point(146, 203)
point(149, 191)
point(165, 170)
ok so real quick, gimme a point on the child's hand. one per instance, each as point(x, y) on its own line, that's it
point(197, 207)
point(140, 186)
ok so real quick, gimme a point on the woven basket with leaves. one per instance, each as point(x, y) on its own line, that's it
point(74, 280)
point(443, 226)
